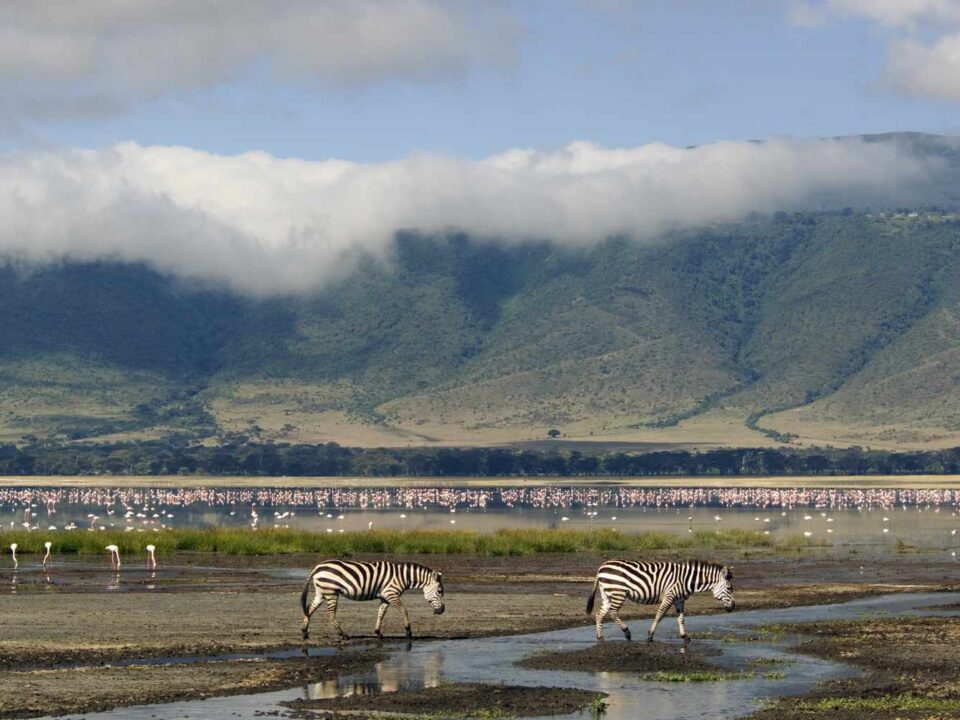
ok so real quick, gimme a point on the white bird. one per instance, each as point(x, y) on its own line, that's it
point(151, 559)
point(717, 518)
point(13, 551)
point(46, 558)
point(114, 556)
point(564, 518)
point(807, 533)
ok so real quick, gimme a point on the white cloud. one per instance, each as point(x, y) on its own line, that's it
point(132, 49)
point(266, 225)
point(927, 70)
point(923, 56)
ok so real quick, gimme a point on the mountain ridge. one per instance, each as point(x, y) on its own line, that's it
point(817, 327)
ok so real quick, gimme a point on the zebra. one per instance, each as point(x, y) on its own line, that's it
point(666, 583)
point(368, 581)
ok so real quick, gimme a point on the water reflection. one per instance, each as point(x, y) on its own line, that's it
point(397, 673)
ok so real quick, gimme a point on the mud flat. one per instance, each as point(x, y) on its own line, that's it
point(83, 641)
point(457, 699)
point(94, 688)
point(912, 669)
point(788, 481)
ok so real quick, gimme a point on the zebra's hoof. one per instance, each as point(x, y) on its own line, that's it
point(649, 637)
point(409, 634)
point(306, 635)
point(627, 635)
point(686, 639)
point(378, 634)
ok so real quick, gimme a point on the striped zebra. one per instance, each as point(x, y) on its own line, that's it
point(385, 581)
point(666, 583)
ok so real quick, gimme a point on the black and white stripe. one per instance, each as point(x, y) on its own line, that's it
point(383, 580)
point(666, 583)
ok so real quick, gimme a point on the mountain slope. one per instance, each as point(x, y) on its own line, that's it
point(834, 327)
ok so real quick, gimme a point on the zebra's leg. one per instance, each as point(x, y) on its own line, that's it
point(601, 613)
point(678, 606)
point(317, 599)
point(620, 623)
point(380, 613)
point(332, 601)
point(394, 601)
point(661, 611)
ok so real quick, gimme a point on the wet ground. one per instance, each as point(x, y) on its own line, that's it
point(911, 664)
point(203, 626)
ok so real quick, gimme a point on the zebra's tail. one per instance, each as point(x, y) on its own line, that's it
point(593, 595)
point(306, 591)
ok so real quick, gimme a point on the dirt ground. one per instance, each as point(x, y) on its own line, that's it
point(205, 606)
point(457, 699)
point(913, 671)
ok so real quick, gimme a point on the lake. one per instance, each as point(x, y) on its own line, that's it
point(927, 517)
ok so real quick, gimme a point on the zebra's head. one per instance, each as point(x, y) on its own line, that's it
point(433, 592)
point(723, 589)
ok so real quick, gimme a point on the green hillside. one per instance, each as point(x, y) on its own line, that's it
point(835, 327)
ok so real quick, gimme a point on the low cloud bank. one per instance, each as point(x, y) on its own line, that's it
point(266, 225)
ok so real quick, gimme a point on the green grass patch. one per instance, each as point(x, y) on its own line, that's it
point(269, 541)
point(895, 703)
point(697, 676)
point(765, 661)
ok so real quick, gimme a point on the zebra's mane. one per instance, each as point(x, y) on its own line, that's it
point(712, 567)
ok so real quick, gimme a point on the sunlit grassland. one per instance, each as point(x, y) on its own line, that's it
point(506, 542)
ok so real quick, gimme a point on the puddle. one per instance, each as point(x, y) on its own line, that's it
point(491, 660)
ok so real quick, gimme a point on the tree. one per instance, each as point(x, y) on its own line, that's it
point(553, 433)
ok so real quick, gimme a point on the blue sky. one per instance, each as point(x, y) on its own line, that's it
point(270, 145)
point(615, 73)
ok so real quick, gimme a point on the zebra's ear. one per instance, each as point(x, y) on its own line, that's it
point(439, 574)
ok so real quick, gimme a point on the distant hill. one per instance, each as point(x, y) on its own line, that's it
point(837, 326)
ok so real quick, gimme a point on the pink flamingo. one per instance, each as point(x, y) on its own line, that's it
point(114, 557)
point(46, 558)
point(13, 551)
point(151, 559)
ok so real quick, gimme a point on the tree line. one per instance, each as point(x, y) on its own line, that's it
point(331, 459)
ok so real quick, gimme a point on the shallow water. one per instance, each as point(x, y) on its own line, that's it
point(927, 518)
point(427, 664)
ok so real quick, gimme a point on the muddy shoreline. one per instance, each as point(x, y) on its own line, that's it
point(457, 699)
point(59, 644)
point(791, 481)
point(912, 670)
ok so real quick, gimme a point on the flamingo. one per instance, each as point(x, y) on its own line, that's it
point(114, 556)
point(13, 551)
point(151, 560)
point(46, 558)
